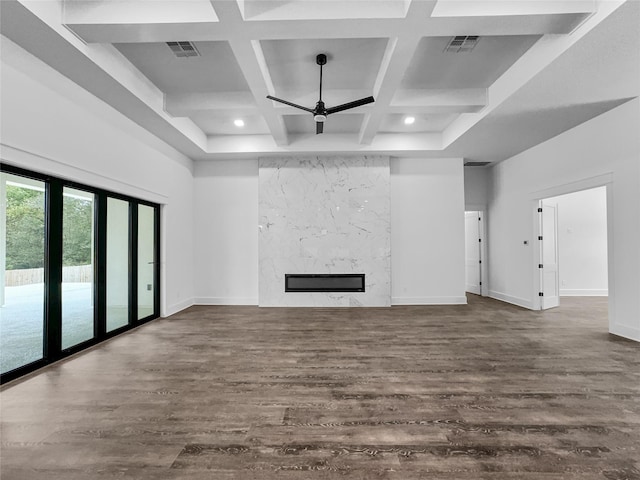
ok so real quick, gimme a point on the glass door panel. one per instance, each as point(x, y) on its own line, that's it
point(146, 260)
point(22, 259)
point(77, 267)
point(117, 263)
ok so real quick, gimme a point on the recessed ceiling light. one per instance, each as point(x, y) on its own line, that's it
point(409, 120)
point(238, 123)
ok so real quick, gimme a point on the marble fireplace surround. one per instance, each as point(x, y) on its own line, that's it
point(324, 215)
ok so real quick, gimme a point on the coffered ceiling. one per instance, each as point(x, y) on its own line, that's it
point(398, 51)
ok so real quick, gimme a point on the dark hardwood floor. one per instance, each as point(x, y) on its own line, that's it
point(484, 391)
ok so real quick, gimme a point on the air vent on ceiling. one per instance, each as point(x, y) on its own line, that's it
point(184, 49)
point(463, 43)
point(476, 164)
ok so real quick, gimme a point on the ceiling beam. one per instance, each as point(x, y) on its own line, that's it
point(536, 59)
point(252, 63)
point(254, 10)
point(459, 100)
point(100, 69)
point(396, 60)
point(95, 12)
point(228, 146)
point(184, 104)
point(503, 8)
point(316, 29)
point(434, 101)
point(135, 21)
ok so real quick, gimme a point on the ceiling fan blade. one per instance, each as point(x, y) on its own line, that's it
point(347, 106)
point(319, 127)
point(290, 104)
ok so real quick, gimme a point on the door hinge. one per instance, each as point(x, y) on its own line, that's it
point(540, 294)
point(479, 219)
point(479, 261)
point(539, 237)
point(539, 209)
point(479, 239)
point(539, 265)
point(480, 283)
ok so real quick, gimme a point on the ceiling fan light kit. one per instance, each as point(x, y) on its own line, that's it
point(320, 113)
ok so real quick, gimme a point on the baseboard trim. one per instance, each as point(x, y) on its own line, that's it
point(429, 300)
point(226, 301)
point(503, 297)
point(632, 333)
point(583, 292)
point(178, 307)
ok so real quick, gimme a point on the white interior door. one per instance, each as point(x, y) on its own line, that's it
point(472, 252)
point(549, 276)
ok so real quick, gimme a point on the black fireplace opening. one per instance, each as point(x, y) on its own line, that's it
point(346, 282)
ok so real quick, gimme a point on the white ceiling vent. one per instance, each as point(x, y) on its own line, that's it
point(184, 49)
point(460, 44)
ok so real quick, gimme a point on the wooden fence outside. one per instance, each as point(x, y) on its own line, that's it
point(29, 276)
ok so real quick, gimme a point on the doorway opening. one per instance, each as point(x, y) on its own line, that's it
point(475, 252)
point(573, 248)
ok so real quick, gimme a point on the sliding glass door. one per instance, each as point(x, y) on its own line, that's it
point(22, 264)
point(118, 271)
point(146, 260)
point(77, 265)
point(78, 234)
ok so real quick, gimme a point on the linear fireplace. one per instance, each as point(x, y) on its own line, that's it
point(348, 282)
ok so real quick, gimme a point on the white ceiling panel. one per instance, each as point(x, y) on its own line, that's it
point(351, 64)
point(433, 67)
point(215, 70)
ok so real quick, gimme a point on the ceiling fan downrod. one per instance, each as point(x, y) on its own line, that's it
point(320, 114)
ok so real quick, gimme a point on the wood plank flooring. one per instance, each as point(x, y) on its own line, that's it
point(484, 391)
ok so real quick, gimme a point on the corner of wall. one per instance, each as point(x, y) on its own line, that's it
point(177, 307)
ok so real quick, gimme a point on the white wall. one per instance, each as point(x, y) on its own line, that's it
point(606, 148)
point(427, 231)
point(51, 125)
point(476, 183)
point(226, 241)
point(582, 242)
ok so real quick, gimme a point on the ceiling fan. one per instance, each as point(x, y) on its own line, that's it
point(320, 112)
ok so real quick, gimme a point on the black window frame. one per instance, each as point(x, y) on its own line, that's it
point(52, 318)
